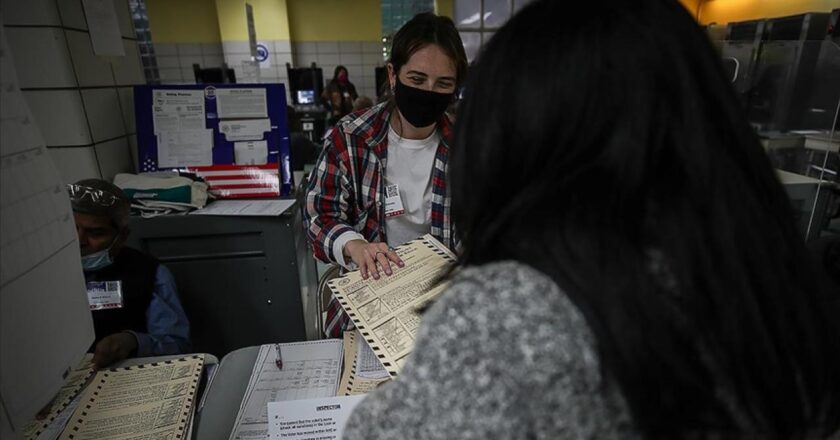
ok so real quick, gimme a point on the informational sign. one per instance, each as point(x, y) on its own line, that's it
point(241, 103)
point(244, 129)
point(235, 136)
point(176, 110)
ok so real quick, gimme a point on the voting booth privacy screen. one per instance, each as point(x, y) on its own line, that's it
point(234, 136)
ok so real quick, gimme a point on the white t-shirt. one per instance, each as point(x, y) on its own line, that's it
point(410, 163)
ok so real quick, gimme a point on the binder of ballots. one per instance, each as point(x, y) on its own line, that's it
point(234, 136)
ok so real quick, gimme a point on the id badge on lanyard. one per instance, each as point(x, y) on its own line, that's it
point(103, 295)
point(393, 202)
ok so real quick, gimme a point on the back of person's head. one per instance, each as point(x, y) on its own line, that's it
point(100, 198)
point(362, 102)
point(425, 29)
point(606, 148)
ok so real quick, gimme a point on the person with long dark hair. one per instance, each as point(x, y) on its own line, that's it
point(630, 265)
point(382, 177)
point(340, 94)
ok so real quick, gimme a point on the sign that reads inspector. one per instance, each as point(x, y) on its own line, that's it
point(312, 419)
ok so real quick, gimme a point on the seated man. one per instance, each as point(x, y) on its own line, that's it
point(135, 306)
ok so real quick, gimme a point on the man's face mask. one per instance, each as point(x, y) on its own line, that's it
point(421, 108)
point(97, 260)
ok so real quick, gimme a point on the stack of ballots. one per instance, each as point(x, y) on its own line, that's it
point(160, 194)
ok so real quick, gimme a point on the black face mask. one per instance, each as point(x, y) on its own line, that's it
point(421, 108)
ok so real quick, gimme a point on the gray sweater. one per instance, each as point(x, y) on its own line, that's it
point(502, 354)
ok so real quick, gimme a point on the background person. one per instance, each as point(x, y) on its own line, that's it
point(340, 94)
point(146, 319)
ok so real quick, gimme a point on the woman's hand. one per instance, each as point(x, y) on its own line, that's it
point(371, 256)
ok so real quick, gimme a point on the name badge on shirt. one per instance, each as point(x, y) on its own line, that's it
point(105, 295)
point(393, 202)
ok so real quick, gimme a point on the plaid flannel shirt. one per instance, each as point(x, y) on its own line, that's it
point(347, 190)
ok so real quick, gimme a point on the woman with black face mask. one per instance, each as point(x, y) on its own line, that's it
point(340, 94)
point(381, 179)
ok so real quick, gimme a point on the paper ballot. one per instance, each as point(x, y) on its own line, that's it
point(385, 310)
point(313, 419)
point(144, 401)
point(362, 370)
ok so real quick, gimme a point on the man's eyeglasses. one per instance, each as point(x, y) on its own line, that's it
point(80, 193)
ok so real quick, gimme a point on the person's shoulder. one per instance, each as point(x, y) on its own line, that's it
point(135, 256)
point(518, 300)
point(495, 286)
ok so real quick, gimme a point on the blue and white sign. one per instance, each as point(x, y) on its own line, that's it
point(262, 55)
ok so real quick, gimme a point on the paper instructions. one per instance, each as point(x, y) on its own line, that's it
point(178, 110)
point(385, 310)
point(313, 419)
point(185, 148)
point(151, 400)
point(250, 153)
point(310, 370)
point(39, 257)
point(241, 103)
point(244, 129)
point(259, 208)
point(355, 379)
point(104, 27)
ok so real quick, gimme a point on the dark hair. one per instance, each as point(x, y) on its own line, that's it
point(607, 150)
point(425, 29)
point(339, 68)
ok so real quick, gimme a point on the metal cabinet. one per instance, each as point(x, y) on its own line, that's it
point(243, 281)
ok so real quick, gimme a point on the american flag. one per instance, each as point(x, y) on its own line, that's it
point(240, 181)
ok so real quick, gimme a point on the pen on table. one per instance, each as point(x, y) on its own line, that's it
point(279, 361)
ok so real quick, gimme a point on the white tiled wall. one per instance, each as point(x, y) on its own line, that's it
point(175, 61)
point(359, 57)
point(83, 103)
point(273, 70)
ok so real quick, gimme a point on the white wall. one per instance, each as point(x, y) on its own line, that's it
point(83, 103)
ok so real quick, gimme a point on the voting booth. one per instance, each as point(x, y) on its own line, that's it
point(234, 136)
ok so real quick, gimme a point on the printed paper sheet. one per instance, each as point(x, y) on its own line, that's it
point(143, 401)
point(362, 370)
point(313, 419)
point(385, 310)
point(310, 370)
point(177, 110)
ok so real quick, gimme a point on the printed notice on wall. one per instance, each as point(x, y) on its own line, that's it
point(177, 110)
point(103, 27)
point(313, 419)
point(241, 103)
point(245, 129)
point(251, 153)
point(185, 148)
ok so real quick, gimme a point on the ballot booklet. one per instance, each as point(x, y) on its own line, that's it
point(386, 311)
point(362, 370)
point(143, 401)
